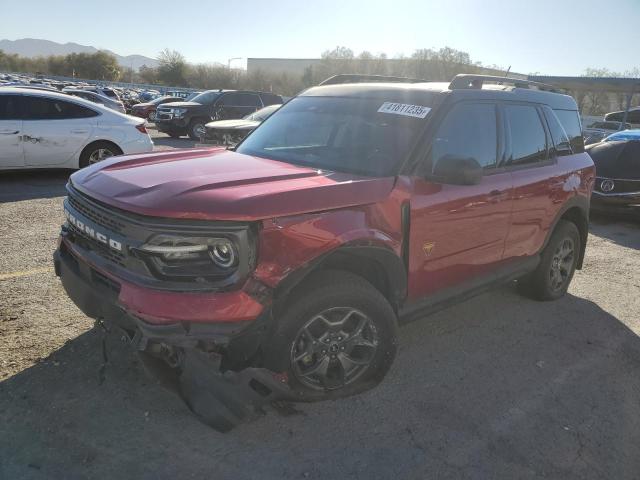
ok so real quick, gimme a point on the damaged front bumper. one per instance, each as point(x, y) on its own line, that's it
point(208, 365)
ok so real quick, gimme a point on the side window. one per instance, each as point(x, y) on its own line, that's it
point(570, 120)
point(40, 108)
point(229, 100)
point(468, 131)
point(9, 107)
point(528, 139)
point(561, 142)
point(248, 100)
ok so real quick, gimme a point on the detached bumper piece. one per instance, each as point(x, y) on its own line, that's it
point(224, 400)
point(188, 362)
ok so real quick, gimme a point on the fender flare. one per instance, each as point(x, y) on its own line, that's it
point(387, 260)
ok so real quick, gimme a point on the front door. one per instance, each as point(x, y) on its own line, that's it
point(11, 152)
point(458, 232)
point(54, 131)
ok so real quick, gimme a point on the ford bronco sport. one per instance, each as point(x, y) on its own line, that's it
point(281, 270)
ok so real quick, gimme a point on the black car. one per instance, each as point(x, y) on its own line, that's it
point(617, 161)
point(189, 118)
point(231, 132)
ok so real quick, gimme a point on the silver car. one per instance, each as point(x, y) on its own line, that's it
point(116, 105)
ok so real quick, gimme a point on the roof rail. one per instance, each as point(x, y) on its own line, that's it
point(362, 78)
point(465, 81)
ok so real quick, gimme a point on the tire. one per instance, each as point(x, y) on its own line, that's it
point(363, 337)
point(194, 127)
point(551, 279)
point(98, 151)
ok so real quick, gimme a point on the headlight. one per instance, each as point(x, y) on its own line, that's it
point(178, 112)
point(191, 258)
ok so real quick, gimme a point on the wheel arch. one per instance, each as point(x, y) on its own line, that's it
point(93, 142)
point(380, 266)
point(576, 211)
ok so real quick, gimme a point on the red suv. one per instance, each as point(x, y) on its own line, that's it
point(281, 270)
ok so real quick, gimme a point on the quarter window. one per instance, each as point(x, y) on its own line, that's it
point(560, 138)
point(570, 120)
point(528, 139)
point(468, 131)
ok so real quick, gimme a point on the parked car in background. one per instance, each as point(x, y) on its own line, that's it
point(617, 160)
point(597, 131)
point(94, 97)
point(633, 116)
point(231, 132)
point(281, 270)
point(40, 129)
point(148, 109)
point(190, 118)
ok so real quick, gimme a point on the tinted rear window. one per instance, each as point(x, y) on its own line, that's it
point(528, 139)
point(39, 108)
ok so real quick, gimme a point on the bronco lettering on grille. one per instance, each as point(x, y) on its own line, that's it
point(92, 232)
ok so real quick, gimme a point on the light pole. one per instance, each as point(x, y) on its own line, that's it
point(230, 60)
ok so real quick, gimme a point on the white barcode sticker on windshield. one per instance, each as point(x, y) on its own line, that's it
point(404, 109)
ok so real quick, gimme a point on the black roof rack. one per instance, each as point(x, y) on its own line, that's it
point(361, 78)
point(466, 81)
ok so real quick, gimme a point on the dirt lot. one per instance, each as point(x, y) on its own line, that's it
point(496, 387)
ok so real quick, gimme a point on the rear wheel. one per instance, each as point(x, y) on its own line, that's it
point(98, 151)
point(336, 337)
point(553, 275)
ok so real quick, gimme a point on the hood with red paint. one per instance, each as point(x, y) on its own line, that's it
point(217, 184)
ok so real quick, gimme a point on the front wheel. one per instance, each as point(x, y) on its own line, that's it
point(558, 262)
point(196, 130)
point(337, 337)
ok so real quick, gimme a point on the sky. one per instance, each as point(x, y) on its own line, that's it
point(552, 37)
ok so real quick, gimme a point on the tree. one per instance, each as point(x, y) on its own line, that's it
point(173, 68)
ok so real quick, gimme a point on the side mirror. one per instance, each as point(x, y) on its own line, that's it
point(457, 170)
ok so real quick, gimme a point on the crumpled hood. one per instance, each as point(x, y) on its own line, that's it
point(217, 184)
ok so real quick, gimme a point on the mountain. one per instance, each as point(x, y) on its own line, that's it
point(34, 47)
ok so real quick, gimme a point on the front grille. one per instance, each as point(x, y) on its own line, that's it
point(619, 186)
point(96, 216)
point(163, 114)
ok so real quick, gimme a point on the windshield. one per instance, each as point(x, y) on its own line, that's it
point(341, 134)
point(205, 97)
point(262, 114)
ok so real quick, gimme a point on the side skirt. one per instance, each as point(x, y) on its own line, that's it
point(451, 296)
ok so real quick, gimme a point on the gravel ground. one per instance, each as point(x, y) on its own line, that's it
point(496, 387)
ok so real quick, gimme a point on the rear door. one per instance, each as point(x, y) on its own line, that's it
point(458, 232)
point(11, 150)
point(538, 182)
point(237, 105)
point(55, 130)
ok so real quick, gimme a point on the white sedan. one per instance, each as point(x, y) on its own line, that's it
point(42, 129)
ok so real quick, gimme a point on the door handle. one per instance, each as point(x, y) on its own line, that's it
point(9, 132)
point(79, 131)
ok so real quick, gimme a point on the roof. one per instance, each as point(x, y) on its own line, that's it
point(603, 84)
point(426, 91)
